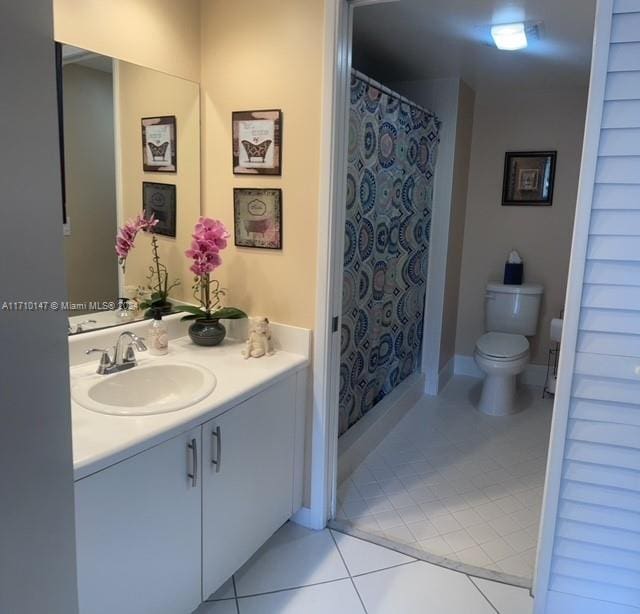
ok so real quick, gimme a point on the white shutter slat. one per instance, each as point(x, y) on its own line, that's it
point(605, 433)
point(600, 296)
point(603, 389)
point(625, 458)
point(604, 475)
point(607, 320)
point(609, 343)
point(598, 554)
point(620, 223)
point(625, 28)
point(596, 590)
point(626, 6)
point(621, 142)
point(612, 272)
point(616, 196)
point(604, 366)
point(618, 169)
point(613, 248)
point(598, 411)
point(626, 578)
point(621, 114)
point(624, 56)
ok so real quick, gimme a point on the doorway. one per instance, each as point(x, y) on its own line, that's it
point(463, 421)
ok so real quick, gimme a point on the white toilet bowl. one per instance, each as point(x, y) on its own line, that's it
point(501, 356)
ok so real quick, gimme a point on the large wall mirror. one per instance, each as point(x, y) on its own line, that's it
point(131, 142)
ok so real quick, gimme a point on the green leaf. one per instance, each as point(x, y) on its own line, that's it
point(228, 313)
point(193, 316)
point(192, 309)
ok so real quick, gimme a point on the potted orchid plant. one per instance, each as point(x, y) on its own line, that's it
point(158, 278)
point(209, 239)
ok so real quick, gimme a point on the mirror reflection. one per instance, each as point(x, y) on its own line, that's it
point(131, 154)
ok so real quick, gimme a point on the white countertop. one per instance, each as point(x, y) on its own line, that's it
point(101, 440)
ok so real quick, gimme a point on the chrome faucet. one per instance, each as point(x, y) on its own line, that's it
point(124, 356)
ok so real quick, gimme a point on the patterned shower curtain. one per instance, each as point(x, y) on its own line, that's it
point(392, 155)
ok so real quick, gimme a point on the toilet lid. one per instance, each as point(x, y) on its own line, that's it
point(502, 345)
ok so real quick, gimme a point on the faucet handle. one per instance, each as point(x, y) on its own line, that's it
point(141, 346)
point(105, 360)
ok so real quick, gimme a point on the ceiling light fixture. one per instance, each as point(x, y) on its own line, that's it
point(510, 36)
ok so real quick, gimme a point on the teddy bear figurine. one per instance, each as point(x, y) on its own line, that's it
point(259, 342)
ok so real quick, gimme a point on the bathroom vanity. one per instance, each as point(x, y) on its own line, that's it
point(169, 506)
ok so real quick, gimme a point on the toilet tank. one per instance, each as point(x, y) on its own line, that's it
point(513, 309)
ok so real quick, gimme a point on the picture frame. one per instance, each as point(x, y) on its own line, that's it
point(159, 199)
point(159, 153)
point(529, 178)
point(257, 142)
point(257, 217)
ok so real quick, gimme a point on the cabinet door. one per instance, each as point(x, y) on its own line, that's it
point(247, 480)
point(138, 532)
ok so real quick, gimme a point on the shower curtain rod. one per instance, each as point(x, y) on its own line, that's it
point(390, 92)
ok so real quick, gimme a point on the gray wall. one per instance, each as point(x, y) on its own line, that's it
point(37, 545)
point(90, 259)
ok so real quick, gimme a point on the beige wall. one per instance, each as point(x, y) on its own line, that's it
point(92, 271)
point(466, 99)
point(519, 121)
point(147, 93)
point(159, 34)
point(260, 59)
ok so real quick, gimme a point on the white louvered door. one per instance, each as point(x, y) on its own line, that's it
point(592, 565)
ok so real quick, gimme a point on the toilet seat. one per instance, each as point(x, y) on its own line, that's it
point(502, 346)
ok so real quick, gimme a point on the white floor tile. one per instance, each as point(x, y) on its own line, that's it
point(462, 469)
point(459, 540)
point(224, 592)
point(363, 557)
point(436, 545)
point(320, 599)
point(506, 599)
point(293, 557)
point(418, 588)
point(217, 607)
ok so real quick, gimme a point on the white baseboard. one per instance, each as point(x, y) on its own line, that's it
point(305, 518)
point(355, 445)
point(446, 373)
point(533, 375)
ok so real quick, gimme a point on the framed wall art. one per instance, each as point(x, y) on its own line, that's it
point(159, 144)
point(257, 217)
point(159, 199)
point(529, 178)
point(257, 142)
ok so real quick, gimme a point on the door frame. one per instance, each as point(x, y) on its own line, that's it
point(323, 474)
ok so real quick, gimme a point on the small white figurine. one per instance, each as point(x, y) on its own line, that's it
point(259, 341)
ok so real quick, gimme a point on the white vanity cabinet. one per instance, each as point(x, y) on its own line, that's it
point(138, 534)
point(247, 480)
point(159, 532)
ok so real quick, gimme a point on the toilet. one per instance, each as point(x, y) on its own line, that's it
point(511, 315)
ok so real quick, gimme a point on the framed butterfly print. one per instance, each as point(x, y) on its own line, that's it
point(257, 142)
point(257, 217)
point(159, 200)
point(159, 144)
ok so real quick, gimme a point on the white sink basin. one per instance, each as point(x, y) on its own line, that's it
point(145, 390)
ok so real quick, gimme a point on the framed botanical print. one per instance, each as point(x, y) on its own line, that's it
point(257, 217)
point(529, 178)
point(159, 144)
point(159, 199)
point(257, 142)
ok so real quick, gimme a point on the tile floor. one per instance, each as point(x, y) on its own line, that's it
point(457, 483)
point(306, 572)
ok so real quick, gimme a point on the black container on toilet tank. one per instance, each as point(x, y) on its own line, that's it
point(513, 269)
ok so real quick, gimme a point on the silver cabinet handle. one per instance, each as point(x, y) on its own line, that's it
point(217, 437)
point(193, 446)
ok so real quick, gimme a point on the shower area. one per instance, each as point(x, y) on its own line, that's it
point(392, 153)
